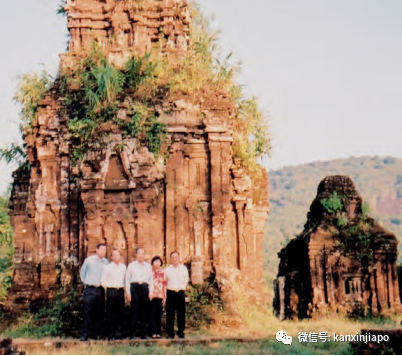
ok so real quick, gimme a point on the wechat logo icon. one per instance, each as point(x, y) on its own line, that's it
point(284, 337)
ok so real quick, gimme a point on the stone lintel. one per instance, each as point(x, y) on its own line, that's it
point(239, 198)
point(195, 141)
point(177, 129)
point(221, 139)
point(215, 129)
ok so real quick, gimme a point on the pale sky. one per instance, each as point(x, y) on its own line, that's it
point(328, 72)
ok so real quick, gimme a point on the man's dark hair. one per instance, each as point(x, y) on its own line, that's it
point(99, 245)
point(139, 248)
point(155, 259)
point(172, 253)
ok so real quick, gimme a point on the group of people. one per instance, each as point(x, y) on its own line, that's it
point(146, 287)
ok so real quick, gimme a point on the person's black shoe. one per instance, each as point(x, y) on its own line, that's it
point(84, 338)
point(135, 338)
point(182, 337)
point(170, 337)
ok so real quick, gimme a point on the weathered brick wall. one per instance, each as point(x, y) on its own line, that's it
point(198, 201)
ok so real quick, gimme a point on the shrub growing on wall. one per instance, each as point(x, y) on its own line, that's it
point(93, 88)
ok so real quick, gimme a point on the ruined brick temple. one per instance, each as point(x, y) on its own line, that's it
point(343, 261)
point(197, 199)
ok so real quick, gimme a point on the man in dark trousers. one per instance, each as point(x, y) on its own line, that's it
point(177, 280)
point(139, 287)
point(94, 294)
point(113, 282)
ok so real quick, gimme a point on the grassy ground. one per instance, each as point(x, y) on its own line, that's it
point(257, 323)
point(262, 324)
point(264, 347)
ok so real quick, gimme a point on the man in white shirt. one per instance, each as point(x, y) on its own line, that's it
point(139, 287)
point(94, 295)
point(177, 280)
point(113, 282)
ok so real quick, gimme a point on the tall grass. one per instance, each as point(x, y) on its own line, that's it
point(263, 347)
point(30, 91)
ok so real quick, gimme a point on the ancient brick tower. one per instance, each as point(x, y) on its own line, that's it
point(198, 201)
point(343, 262)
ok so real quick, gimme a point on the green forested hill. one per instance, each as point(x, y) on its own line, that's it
point(292, 190)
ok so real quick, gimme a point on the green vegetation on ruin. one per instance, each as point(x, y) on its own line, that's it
point(333, 204)
point(358, 241)
point(353, 237)
point(49, 319)
point(16, 154)
point(30, 91)
point(93, 88)
point(92, 91)
point(204, 306)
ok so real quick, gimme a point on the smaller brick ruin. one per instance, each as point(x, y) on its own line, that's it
point(343, 262)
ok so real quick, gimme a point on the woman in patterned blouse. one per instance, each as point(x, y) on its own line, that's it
point(158, 297)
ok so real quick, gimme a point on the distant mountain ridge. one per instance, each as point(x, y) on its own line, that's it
point(293, 188)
